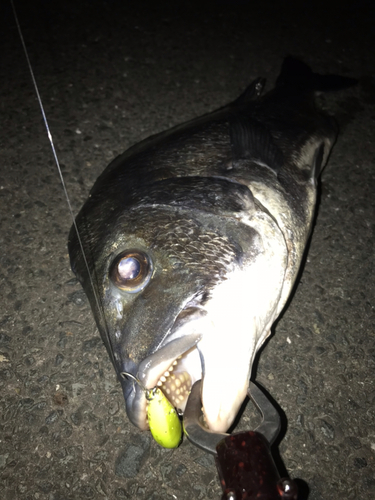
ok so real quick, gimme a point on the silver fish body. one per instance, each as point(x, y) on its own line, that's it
point(194, 238)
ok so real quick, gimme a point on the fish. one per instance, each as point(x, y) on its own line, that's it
point(193, 239)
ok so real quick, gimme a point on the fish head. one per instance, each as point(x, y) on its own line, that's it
point(187, 274)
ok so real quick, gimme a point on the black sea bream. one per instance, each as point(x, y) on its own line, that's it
point(194, 238)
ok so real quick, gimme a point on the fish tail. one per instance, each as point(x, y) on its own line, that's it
point(297, 74)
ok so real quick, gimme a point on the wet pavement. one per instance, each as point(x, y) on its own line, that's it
point(110, 74)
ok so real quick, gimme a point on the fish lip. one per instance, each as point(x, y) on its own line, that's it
point(135, 403)
point(183, 336)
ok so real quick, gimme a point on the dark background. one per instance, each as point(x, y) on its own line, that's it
point(111, 73)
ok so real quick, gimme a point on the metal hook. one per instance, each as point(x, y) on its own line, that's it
point(130, 375)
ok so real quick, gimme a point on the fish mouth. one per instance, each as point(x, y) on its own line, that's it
point(174, 366)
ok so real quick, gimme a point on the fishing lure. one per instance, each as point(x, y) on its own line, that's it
point(164, 422)
point(163, 419)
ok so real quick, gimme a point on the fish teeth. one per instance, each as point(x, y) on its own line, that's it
point(176, 387)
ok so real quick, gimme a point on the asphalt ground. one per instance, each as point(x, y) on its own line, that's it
point(111, 73)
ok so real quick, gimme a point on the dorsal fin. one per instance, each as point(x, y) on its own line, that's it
point(250, 139)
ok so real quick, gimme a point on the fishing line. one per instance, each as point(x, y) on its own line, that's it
point(97, 300)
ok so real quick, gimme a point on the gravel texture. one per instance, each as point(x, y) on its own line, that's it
point(111, 73)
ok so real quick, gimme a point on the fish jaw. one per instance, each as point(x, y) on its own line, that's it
point(178, 349)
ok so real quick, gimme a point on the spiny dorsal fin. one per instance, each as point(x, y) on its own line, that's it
point(253, 91)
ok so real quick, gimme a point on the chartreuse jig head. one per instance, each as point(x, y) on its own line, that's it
point(163, 419)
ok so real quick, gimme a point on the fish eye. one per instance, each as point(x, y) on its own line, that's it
point(128, 268)
point(131, 270)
